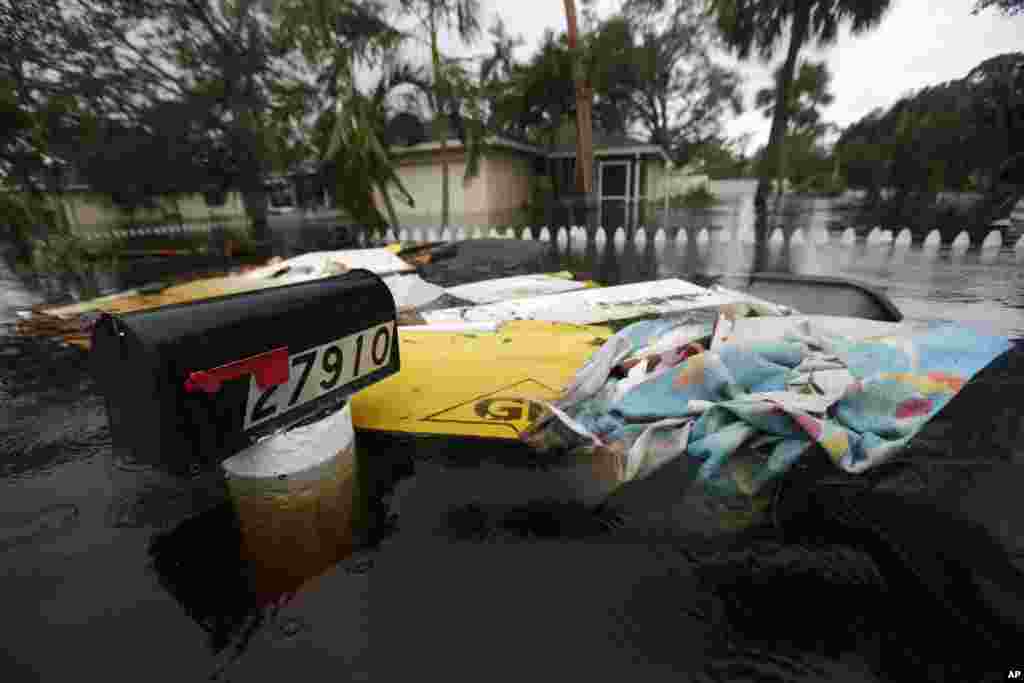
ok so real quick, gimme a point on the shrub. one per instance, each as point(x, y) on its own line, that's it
point(824, 184)
point(241, 238)
point(60, 253)
point(698, 197)
point(23, 218)
point(542, 193)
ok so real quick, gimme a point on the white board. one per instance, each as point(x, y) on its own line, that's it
point(318, 264)
point(589, 306)
point(516, 287)
point(412, 291)
point(463, 328)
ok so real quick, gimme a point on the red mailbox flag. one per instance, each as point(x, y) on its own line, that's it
point(270, 368)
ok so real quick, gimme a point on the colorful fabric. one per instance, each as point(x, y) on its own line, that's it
point(747, 410)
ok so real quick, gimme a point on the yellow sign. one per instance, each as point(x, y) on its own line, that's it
point(479, 384)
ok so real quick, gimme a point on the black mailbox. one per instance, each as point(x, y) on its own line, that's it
point(190, 384)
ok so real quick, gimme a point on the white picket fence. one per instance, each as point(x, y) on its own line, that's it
point(175, 230)
point(1004, 237)
point(1009, 232)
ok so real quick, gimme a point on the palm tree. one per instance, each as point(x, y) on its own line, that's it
point(464, 17)
point(808, 93)
point(361, 162)
point(498, 74)
point(759, 25)
point(334, 38)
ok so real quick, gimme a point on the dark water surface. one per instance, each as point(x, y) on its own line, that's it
point(84, 592)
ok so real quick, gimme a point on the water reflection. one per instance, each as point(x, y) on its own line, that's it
point(204, 565)
point(199, 563)
point(808, 237)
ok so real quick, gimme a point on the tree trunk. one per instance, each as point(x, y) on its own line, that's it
point(254, 194)
point(584, 101)
point(389, 205)
point(775, 153)
point(254, 198)
point(584, 98)
point(445, 184)
point(440, 125)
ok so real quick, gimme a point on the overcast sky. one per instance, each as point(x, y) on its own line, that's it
point(920, 42)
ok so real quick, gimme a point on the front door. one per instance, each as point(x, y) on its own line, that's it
point(614, 184)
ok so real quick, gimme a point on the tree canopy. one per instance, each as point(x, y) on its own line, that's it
point(955, 135)
point(759, 26)
point(653, 76)
point(222, 93)
point(1010, 7)
point(807, 95)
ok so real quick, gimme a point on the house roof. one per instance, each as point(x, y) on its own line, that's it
point(604, 145)
point(608, 145)
point(455, 143)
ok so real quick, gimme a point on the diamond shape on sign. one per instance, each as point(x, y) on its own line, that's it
point(514, 406)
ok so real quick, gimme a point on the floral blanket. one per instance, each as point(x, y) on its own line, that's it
point(748, 396)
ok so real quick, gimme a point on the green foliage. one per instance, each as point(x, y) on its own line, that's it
point(453, 93)
point(241, 239)
point(150, 99)
point(699, 197)
point(660, 74)
point(61, 252)
point(823, 184)
point(806, 158)
point(652, 72)
point(537, 96)
point(1008, 7)
point(361, 165)
point(167, 154)
point(808, 93)
point(542, 194)
point(43, 239)
point(759, 26)
point(953, 135)
point(720, 159)
point(22, 218)
point(330, 39)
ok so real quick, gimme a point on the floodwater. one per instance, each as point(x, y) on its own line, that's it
point(86, 589)
point(983, 287)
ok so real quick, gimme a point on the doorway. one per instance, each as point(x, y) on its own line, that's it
point(614, 183)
